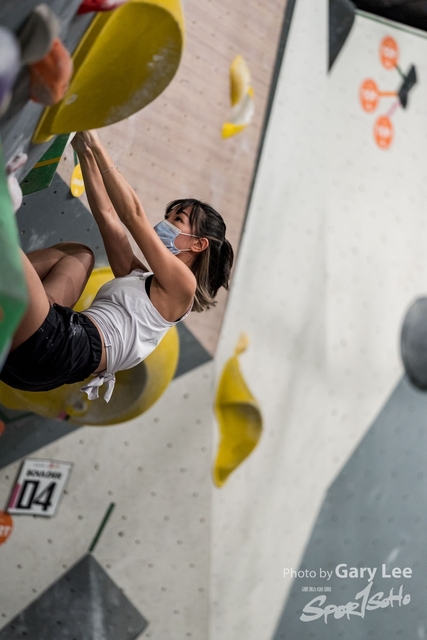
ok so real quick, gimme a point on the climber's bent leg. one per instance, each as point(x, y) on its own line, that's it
point(64, 270)
point(55, 275)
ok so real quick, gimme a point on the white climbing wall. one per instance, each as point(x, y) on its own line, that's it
point(333, 252)
point(262, 516)
point(156, 545)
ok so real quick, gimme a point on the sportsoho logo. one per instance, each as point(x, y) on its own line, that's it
point(319, 608)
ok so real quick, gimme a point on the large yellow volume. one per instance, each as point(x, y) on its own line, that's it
point(136, 389)
point(239, 417)
point(126, 58)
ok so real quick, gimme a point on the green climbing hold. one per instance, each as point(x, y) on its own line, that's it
point(41, 175)
point(13, 290)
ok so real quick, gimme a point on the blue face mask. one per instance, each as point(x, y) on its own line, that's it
point(167, 233)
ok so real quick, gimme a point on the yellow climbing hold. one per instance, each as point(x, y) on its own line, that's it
point(240, 80)
point(241, 97)
point(77, 186)
point(126, 58)
point(239, 417)
point(229, 129)
point(98, 277)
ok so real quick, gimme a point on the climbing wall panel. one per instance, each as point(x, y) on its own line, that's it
point(156, 544)
point(263, 514)
point(372, 517)
point(333, 252)
point(157, 469)
point(83, 603)
point(18, 123)
point(173, 148)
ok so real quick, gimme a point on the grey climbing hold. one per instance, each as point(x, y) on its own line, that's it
point(341, 18)
point(413, 343)
point(38, 33)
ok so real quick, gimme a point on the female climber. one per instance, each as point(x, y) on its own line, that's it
point(189, 257)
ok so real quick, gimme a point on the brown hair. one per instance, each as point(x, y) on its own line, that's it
point(212, 266)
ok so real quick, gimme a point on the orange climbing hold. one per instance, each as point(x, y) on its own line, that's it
point(383, 132)
point(51, 76)
point(389, 52)
point(369, 95)
point(6, 526)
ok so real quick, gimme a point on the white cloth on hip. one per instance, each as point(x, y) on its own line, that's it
point(130, 324)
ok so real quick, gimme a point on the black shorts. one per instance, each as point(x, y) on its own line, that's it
point(66, 348)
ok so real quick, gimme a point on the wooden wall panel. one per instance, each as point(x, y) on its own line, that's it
point(173, 148)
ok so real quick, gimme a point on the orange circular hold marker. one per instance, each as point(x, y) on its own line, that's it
point(389, 52)
point(383, 132)
point(369, 95)
point(6, 526)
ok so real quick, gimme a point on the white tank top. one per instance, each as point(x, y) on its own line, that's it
point(131, 327)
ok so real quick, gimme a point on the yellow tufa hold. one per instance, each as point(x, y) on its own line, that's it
point(126, 58)
point(241, 97)
point(239, 417)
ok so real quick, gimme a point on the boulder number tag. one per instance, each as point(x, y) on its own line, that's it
point(39, 487)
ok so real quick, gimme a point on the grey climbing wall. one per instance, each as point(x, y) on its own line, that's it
point(54, 215)
point(84, 604)
point(341, 19)
point(374, 515)
point(25, 433)
point(45, 218)
point(192, 354)
point(18, 123)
